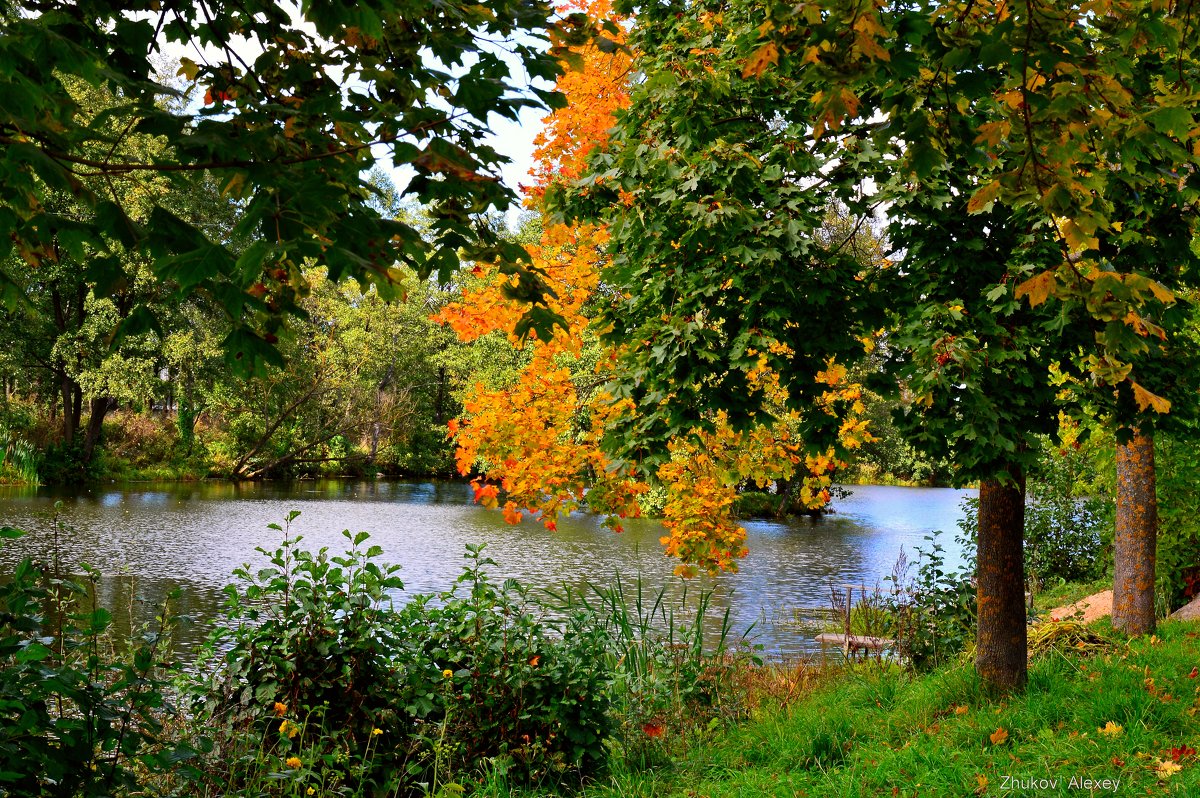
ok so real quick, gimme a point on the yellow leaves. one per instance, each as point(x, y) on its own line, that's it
point(832, 108)
point(1149, 401)
point(983, 198)
point(867, 32)
point(188, 69)
point(981, 782)
point(960, 709)
point(486, 494)
point(1078, 238)
point(1111, 729)
point(993, 134)
point(235, 185)
point(1013, 98)
point(1144, 327)
point(833, 373)
point(1165, 768)
point(998, 736)
point(1038, 288)
point(761, 60)
point(1161, 293)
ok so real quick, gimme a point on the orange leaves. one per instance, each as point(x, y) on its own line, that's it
point(537, 438)
point(1038, 288)
point(761, 60)
point(867, 33)
point(983, 198)
point(998, 736)
point(594, 92)
point(485, 494)
point(832, 108)
point(1149, 401)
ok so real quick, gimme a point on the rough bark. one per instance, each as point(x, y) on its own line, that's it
point(99, 409)
point(72, 401)
point(1136, 536)
point(1000, 657)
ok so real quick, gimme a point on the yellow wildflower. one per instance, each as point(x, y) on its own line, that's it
point(376, 732)
point(290, 729)
point(293, 762)
point(311, 791)
point(446, 674)
point(280, 708)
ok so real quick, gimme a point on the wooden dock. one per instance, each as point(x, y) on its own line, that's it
point(850, 643)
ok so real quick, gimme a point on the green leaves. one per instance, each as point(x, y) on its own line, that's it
point(273, 129)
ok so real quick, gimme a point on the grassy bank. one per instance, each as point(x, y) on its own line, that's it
point(1123, 711)
point(320, 685)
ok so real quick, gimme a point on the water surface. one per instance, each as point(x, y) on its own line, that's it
point(149, 538)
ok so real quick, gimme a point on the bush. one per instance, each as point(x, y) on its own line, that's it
point(1063, 532)
point(321, 671)
point(933, 612)
point(309, 644)
point(78, 715)
point(135, 440)
point(525, 691)
point(670, 682)
point(1178, 561)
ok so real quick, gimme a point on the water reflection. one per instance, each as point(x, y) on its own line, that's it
point(150, 539)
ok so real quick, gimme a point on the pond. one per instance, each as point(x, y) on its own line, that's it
point(150, 538)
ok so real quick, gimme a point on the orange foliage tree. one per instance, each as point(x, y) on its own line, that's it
point(537, 442)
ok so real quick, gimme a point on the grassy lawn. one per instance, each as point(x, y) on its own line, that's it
point(1113, 711)
point(1063, 593)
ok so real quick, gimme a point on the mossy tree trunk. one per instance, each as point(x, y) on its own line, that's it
point(1136, 536)
point(1000, 657)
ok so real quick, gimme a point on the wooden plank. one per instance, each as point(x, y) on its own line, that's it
point(855, 641)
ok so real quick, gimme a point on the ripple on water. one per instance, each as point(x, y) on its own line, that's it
point(157, 537)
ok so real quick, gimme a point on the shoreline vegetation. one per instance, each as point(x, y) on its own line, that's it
point(316, 685)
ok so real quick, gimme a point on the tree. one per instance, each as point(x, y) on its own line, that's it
point(295, 109)
point(540, 437)
point(742, 128)
point(73, 301)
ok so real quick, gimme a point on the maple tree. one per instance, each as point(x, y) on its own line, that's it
point(1006, 140)
point(297, 105)
point(541, 439)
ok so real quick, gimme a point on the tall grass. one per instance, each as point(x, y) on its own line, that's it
point(18, 459)
point(643, 623)
point(675, 664)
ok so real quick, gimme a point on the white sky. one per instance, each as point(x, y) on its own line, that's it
point(512, 139)
point(515, 139)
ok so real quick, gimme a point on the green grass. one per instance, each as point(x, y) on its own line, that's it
point(1063, 593)
point(874, 730)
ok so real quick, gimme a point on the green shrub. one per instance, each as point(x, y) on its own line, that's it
point(674, 676)
point(78, 715)
point(1064, 532)
point(318, 665)
point(933, 611)
point(529, 692)
point(309, 642)
point(1178, 561)
point(19, 460)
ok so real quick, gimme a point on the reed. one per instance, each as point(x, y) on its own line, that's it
point(19, 460)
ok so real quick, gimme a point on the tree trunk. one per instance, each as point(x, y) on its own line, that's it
point(439, 401)
point(1136, 536)
point(69, 420)
point(99, 409)
point(1000, 657)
